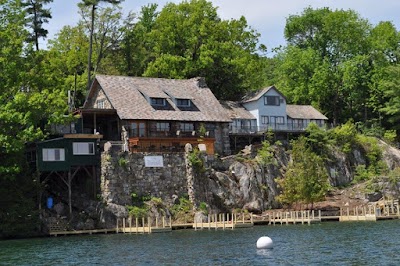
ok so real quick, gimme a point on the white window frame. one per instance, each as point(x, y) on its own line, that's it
point(101, 104)
point(83, 148)
point(53, 154)
point(265, 120)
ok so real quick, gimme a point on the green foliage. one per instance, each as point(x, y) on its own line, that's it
point(265, 155)
point(203, 208)
point(306, 179)
point(183, 207)
point(390, 137)
point(123, 162)
point(189, 39)
point(361, 174)
point(345, 136)
point(196, 160)
point(138, 212)
point(373, 153)
point(318, 139)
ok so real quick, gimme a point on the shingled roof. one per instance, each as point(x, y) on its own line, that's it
point(303, 112)
point(236, 110)
point(255, 95)
point(127, 96)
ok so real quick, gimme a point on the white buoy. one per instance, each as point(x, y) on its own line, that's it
point(264, 242)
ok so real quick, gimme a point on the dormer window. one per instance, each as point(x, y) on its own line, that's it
point(183, 102)
point(157, 101)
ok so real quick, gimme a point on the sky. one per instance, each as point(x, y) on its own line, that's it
point(268, 17)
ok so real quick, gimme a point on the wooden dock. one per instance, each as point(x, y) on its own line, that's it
point(81, 232)
point(384, 210)
point(294, 217)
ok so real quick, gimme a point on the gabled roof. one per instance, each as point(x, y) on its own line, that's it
point(236, 110)
point(127, 96)
point(256, 95)
point(303, 112)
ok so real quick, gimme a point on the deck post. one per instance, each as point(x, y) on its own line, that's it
point(137, 225)
point(123, 224)
point(309, 218)
point(216, 220)
point(243, 217)
point(149, 224)
point(251, 218)
point(143, 224)
point(116, 229)
point(209, 222)
point(163, 221)
point(130, 224)
point(302, 217)
point(223, 221)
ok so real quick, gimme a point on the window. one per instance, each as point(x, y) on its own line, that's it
point(264, 120)
point(138, 129)
point(187, 127)
point(83, 148)
point(279, 120)
point(183, 102)
point(162, 126)
point(101, 104)
point(158, 101)
point(53, 155)
point(271, 100)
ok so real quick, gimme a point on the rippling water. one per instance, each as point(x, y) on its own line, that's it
point(358, 243)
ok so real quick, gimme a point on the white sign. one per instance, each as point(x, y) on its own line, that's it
point(153, 161)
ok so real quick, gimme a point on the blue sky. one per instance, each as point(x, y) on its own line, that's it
point(268, 17)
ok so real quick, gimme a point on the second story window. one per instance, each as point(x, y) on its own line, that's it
point(101, 104)
point(271, 100)
point(183, 102)
point(157, 101)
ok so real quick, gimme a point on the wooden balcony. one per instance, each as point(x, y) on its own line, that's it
point(168, 144)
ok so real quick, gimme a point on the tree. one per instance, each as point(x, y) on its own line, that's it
point(190, 39)
point(327, 62)
point(36, 16)
point(306, 179)
point(93, 4)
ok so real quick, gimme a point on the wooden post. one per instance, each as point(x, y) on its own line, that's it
point(242, 217)
point(319, 214)
point(309, 218)
point(223, 222)
point(209, 222)
point(116, 229)
point(251, 218)
point(123, 224)
point(130, 224)
point(356, 210)
point(156, 222)
point(163, 221)
point(137, 225)
point(143, 224)
point(215, 220)
point(302, 217)
point(195, 224)
point(149, 224)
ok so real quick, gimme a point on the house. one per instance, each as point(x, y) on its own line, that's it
point(156, 114)
point(267, 109)
point(71, 160)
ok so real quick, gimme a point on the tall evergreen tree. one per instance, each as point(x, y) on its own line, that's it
point(36, 16)
point(93, 6)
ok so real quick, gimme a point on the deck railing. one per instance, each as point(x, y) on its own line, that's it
point(287, 127)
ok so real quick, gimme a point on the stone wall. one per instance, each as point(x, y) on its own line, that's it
point(124, 173)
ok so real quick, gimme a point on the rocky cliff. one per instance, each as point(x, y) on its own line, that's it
point(224, 184)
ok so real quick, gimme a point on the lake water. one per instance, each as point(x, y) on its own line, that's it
point(357, 243)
